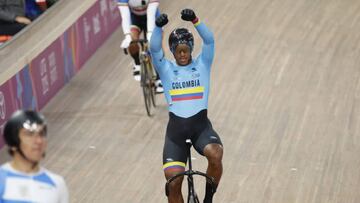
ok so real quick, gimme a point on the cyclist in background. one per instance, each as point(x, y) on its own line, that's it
point(22, 179)
point(186, 88)
point(138, 16)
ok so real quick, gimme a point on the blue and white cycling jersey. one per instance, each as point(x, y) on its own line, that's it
point(41, 187)
point(186, 88)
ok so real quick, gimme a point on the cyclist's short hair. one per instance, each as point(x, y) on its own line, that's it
point(181, 36)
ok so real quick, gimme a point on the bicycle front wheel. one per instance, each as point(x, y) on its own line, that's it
point(147, 88)
point(192, 196)
point(193, 199)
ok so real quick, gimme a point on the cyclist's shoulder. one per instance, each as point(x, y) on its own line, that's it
point(55, 178)
point(173, 65)
point(3, 174)
point(4, 169)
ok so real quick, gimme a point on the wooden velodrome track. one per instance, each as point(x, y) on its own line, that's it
point(285, 99)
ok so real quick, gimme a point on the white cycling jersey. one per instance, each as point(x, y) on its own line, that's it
point(148, 8)
point(138, 7)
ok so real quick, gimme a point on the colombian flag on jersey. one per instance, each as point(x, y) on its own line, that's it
point(187, 93)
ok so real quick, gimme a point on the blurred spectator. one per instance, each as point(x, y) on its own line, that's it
point(16, 14)
point(23, 179)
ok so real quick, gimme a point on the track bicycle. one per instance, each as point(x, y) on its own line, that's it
point(147, 76)
point(192, 195)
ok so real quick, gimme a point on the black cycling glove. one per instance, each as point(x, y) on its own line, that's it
point(188, 15)
point(161, 20)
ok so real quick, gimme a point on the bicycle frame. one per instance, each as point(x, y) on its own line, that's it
point(192, 196)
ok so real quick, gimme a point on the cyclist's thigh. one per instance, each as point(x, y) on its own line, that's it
point(207, 136)
point(175, 152)
point(135, 34)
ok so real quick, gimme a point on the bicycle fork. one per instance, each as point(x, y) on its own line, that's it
point(192, 196)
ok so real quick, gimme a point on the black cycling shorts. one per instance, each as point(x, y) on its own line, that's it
point(198, 128)
point(139, 22)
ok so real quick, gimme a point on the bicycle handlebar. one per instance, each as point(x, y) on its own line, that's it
point(190, 173)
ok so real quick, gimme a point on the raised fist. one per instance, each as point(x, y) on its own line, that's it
point(188, 14)
point(161, 20)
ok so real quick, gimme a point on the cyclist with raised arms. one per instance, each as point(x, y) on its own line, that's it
point(186, 87)
point(138, 16)
point(22, 179)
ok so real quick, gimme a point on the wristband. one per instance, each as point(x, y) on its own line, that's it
point(196, 21)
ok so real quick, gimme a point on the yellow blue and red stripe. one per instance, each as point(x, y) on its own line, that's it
point(196, 22)
point(174, 166)
point(187, 93)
